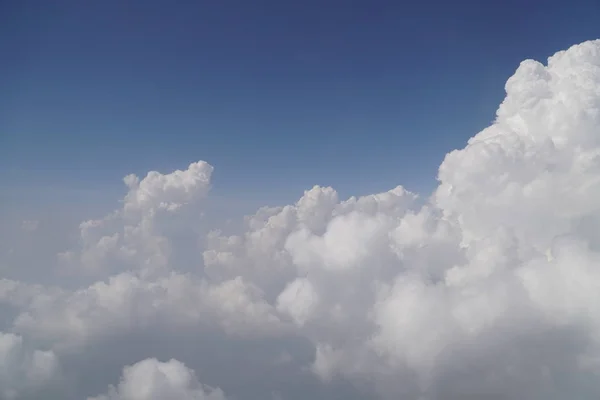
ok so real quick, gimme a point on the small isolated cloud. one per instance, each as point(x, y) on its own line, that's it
point(30, 225)
point(489, 288)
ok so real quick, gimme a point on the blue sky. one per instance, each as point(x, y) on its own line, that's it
point(278, 96)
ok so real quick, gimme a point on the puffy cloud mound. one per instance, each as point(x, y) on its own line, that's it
point(490, 289)
point(24, 371)
point(127, 303)
point(137, 236)
point(151, 379)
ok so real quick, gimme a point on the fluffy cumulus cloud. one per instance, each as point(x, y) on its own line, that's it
point(488, 288)
point(25, 371)
point(151, 379)
point(137, 235)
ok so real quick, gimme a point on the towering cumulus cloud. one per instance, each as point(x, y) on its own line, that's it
point(490, 288)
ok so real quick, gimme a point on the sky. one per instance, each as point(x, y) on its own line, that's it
point(282, 201)
point(278, 96)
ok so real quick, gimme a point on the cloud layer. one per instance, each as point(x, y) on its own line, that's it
point(490, 288)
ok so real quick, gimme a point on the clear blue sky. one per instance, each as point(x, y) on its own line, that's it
point(277, 95)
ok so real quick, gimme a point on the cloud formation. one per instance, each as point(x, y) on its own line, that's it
point(151, 379)
point(487, 289)
point(25, 371)
point(30, 225)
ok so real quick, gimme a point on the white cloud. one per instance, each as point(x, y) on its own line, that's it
point(24, 371)
point(488, 289)
point(137, 236)
point(411, 297)
point(30, 225)
point(129, 304)
point(298, 299)
point(151, 379)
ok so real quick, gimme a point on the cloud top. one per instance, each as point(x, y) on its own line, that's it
point(151, 379)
